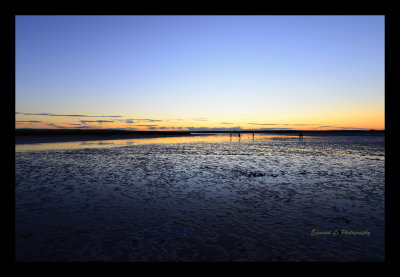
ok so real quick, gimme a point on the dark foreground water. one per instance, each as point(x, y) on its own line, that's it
point(277, 198)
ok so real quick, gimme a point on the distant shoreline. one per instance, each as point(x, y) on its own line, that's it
point(30, 136)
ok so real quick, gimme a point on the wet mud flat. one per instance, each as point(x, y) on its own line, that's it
point(282, 199)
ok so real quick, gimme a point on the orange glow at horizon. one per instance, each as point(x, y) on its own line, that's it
point(305, 127)
point(317, 119)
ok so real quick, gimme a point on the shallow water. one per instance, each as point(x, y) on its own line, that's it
point(202, 199)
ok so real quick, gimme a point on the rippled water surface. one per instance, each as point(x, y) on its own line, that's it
point(212, 198)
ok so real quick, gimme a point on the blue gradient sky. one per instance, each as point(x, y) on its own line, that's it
point(243, 70)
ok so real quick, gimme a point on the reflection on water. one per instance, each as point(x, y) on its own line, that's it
point(138, 141)
point(97, 143)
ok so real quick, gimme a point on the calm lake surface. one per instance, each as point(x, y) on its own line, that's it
point(204, 198)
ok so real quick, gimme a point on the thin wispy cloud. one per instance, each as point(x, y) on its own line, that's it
point(28, 121)
point(134, 120)
point(97, 121)
point(83, 127)
point(144, 125)
point(335, 127)
point(227, 123)
point(150, 120)
point(67, 115)
point(200, 119)
point(74, 126)
point(56, 126)
point(31, 113)
point(264, 124)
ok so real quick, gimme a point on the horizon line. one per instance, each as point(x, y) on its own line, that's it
point(192, 131)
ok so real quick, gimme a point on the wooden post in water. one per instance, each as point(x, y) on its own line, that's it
point(253, 136)
point(230, 135)
point(239, 135)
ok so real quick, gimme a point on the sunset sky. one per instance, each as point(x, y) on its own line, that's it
point(200, 72)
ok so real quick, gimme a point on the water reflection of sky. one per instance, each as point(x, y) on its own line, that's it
point(169, 200)
point(139, 141)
